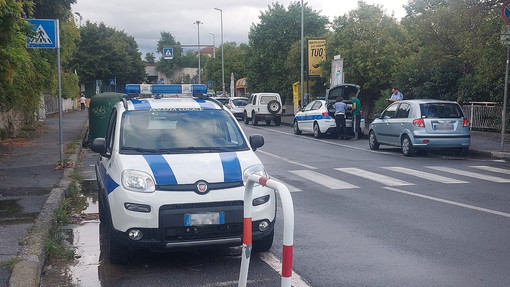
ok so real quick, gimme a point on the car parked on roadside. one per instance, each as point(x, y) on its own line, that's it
point(318, 117)
point(236, 106)
point(420, 125)
point(171, 175)
point(263, 107)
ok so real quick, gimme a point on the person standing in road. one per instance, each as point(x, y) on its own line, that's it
point(356, 113)
point(340, 117)
point(396, 96)
point(82, 102)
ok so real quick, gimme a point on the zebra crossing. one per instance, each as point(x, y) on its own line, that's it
point(438, 174)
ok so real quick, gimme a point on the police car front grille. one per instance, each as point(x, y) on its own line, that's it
point(203, 232)
point(192, 187)
point(190, 206)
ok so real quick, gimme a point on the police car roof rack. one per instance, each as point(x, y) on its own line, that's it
point(124, 102)
point(206, 98)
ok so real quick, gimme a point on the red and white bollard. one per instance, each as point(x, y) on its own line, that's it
point(288, 228)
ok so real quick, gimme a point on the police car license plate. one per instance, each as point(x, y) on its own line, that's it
point(194, 219)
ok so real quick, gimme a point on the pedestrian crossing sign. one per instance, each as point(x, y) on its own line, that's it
point(168, 53)
point(46, 34)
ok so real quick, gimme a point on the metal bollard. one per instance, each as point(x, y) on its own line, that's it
point(288, 228)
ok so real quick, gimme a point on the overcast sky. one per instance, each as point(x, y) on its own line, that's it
point(144, 20)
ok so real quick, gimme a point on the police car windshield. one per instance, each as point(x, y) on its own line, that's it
point(186, 131)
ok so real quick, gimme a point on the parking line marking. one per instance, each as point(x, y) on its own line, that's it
point(291, 188)
point(493, 169)
point(470, 174)
point(425, 175)
point(450, 202)
point(324, 180)
point(286, 159)
point(275, 263)
point(386, 180)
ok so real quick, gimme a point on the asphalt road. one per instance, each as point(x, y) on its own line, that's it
point(362, 218)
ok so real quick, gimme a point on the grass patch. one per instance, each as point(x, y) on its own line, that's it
point(74, 201)
point(10, 263)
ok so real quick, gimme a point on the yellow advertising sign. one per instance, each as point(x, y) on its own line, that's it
point(316, 55)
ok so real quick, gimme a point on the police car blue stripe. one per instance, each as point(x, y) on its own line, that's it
point(231, 167)
point(163, 173)
point(310, 118)
point(109, 183)
point(141, 104)
point(205, 104)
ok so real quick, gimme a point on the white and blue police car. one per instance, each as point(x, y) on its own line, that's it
point(170, 174)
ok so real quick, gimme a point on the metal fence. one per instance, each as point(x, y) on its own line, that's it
point(485, 116)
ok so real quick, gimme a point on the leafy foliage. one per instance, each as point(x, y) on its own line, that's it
point(372, 45)
point(106, 53)
point(270, 42)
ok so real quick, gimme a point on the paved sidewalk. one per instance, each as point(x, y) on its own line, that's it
point(29, 181)
point(31, 190)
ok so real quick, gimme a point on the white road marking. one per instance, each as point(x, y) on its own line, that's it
point(493, 169)
point(291, 188)
point(286, 159)
point(450, 202)
point(275, 263)
point(425, 175)
point(470, 174)
point(386, 180)
point(324, 180)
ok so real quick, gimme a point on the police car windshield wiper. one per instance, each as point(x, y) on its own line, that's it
point(140, 149)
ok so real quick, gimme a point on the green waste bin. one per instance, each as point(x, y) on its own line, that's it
point(100, 107)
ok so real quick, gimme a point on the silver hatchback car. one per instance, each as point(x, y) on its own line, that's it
point(421, 125)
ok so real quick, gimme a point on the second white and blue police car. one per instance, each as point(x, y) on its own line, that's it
point(170, 175)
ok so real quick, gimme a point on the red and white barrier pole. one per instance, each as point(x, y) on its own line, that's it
point(288, 228)
point(247, 236)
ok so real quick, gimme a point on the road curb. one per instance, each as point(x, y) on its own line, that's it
point(27, 272)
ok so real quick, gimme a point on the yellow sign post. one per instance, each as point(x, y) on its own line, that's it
point(316, 55)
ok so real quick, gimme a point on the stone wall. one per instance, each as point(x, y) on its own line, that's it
point(13, 120)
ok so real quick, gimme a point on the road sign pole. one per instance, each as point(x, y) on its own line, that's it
point(503, 112)
point(60, 132)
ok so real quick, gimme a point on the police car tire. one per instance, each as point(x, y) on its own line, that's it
point(274, 106)
point(264, 244)
point(297, 131)
point(117, 253)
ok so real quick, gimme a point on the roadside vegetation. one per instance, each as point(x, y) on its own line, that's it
point(440, 49)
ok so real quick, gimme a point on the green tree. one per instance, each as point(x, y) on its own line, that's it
point(373, 46)
point(458, 54)
point(106, 53)
point(235, 61)
point(150, 58)
point(270, 42)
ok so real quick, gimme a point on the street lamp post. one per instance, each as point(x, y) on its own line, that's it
point(222, 61)
point(198, 25)
point(213, 46)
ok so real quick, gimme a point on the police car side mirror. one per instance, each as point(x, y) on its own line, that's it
point(99, 145)
point(377, 116)
point(256, 141)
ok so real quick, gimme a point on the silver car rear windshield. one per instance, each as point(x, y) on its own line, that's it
point(196, 131)
point(441, 110)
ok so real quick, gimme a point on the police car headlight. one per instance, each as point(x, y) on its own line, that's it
point(139, 181)
point(254, 169)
